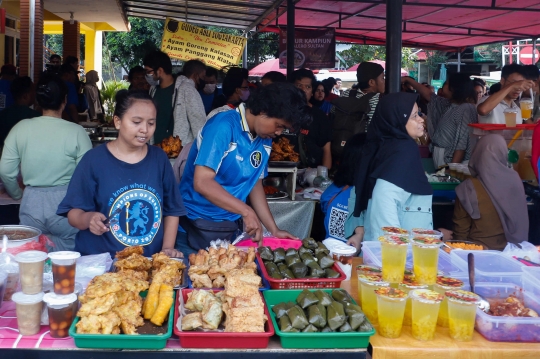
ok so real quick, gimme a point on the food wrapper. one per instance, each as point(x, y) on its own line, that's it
point(325, 261)
point(327, 329)
point(306, 299)
point(345, 328)
point(266, 253)
point(299, 270)
point(281, 309)
point(307, 258)
point(330, 273)
point(365, 327)
point(42, 244)
point(290, 260)
point(356, 315)
point(323, 297)
point(11, 267)
point(527, 251)
point(335, 315)
point(279, 255)
point(272, 270)
point(297, 317)
point(321, 249)
point(341, 296)
point(310, 243)
point(317, 315)
point(303, 250)
point(310, 329)
point(291, 252)
point(315, 270)
point(286, 326)
point(285, 271)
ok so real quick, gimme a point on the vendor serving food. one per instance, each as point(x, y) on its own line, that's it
point(124, 193)
point(228, 163)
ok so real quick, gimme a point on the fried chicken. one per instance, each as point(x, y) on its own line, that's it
point(128, 251)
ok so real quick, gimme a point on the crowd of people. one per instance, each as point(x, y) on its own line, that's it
point(125, 192)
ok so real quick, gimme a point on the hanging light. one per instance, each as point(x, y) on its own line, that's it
point(71, 18)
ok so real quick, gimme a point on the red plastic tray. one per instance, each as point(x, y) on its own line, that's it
point(306, 283)
point(222, 340)
point(273, 243)
point(499, 127)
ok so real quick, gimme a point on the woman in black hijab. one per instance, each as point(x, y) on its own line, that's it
point(391, 187)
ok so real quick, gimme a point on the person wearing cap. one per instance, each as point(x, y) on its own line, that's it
point(7, 74)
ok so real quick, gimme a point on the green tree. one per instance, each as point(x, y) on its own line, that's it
point(361, 53)
point(54, 43)
point(433, 59)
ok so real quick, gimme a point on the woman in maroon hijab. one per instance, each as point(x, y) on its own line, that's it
point(491, 208)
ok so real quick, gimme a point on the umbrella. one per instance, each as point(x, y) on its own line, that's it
point(270, 65)
point(383, 64)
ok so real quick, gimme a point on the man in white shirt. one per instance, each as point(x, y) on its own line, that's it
point(513, 83)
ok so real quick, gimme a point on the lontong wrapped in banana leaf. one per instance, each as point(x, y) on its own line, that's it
point(297, 317)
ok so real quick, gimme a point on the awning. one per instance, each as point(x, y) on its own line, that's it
point(430, 24)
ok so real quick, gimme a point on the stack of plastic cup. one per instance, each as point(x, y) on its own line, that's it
point(443, 285)
point(409, 284)
point(61, 314)
point(31, 271)
point(63, 267)
point(394, 256)
point(369, 283)
point(461, 314)
point(365, 270)
point(426, 258)
point(425, 310)
point(391, 309)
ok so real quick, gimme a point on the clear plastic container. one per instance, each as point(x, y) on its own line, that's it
point(462, 306)
point(426, 251)
point(367, 284)
point(425, 310)
point(3, 285)
point(31, 271)
point(510, 329)
point(63, 268)
point(490, 266)
point(391, 309)
point(394, 256)
point(28, 308)
point(442, 286)
point(409, 284)
point(60, 309)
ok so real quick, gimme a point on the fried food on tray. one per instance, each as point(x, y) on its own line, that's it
point(164, 305)
point(208, 268)
point(283, 150)
point(97, 306)
point(135, 262)
point(192, 321)
point(171, 145)
point(99, 324)
point(128, 251)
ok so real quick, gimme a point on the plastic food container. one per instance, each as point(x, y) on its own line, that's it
point(340, 251)
point(366, 270)
point(510, 329)
point(60, 309)
point(426, 258)
point(409, 283)
point(395, 231)
point(303, 283)
point(367, 285)
point(63, 268)
point(443, 285)
point(425, 309)
point(19, 235)
point(3, 285)
point(312, 340)
point(31, 270)
point(462, 307)
point(490, 266)
point(123, 341)
point(394, 256)
point(424, 232)
point(28, 308)
point(221, 340)
point(391, 309)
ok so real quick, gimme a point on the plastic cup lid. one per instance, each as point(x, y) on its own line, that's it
point(21, 298)
point(395, 230)
point(343, 249)
point(426, 296)
point(62, 255)
point(31, 257)
point(55, 299)
point(448, 282)
point(399, 240)
point(372, 279)
point(409, 282)
point(391, 293)
point(426, 232)
point(427, 241)
point(462, 296)
point(365, 269)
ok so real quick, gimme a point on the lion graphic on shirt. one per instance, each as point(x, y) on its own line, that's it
point(139, 214)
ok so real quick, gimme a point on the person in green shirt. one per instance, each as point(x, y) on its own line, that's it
point(23, 92)
point(46, 149)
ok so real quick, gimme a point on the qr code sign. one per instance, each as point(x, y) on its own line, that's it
point(336, 223)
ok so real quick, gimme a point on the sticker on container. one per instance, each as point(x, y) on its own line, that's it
point(427, 241)
point(462, 296)
point(394, 239)
point(449, 282)
point(426, 295)
point(395, 230)
point(391, 293)
point(365, 269)
point(409, 281)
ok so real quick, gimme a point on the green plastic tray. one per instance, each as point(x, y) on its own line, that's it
point(123, 341)
point(312, 340)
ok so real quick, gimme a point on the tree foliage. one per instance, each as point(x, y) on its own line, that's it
point(55, 43)
point(361, 53)
point(433, 59)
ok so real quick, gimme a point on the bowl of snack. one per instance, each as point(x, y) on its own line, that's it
point(467, 245)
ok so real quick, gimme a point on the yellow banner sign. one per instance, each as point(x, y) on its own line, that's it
point(187, 42)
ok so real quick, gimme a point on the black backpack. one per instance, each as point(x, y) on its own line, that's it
point(349, 118)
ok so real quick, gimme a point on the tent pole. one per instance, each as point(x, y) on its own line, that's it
point(459, 61)
point(245, 55)
point(290, 38)
point(394, 12)
point(534, 49)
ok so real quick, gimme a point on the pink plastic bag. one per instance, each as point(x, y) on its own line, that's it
point(40, 245)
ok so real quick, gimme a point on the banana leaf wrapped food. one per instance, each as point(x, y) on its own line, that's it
point(279, 255)
point(306, 298)
point(303, 250)
point(297, 317)
point(330, 273)
point(310, 243)
point(317, 315)
point(355, 314)
point(345, 328)
point(281, 309)
point(299, 270)
point(307, 258)
point(291, 252)
point(310, 329)
point(335, 315)
point(325, 261)
point(266, 253)
point(323, 297)
point(365, 327)
point(286, 326)
point(271, 268)
point(327, 329)
point(321, 249)
point(315, 270)
point(285, 271)
point(341, 295)
point(290, 260)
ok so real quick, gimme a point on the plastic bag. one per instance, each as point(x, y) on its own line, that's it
point(11, 267)
point(40, 245)
point(90, 266)
point(527, 251)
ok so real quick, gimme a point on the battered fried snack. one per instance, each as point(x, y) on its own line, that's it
point(135, 262)
point(128, 251)
point(165, 304)
point(283, 151)
point(152, 299)
point(171, 145)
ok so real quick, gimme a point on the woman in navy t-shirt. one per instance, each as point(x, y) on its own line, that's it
point(124, 193)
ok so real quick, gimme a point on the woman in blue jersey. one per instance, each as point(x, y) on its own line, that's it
point(227, 163)
point(124, 193)
point(334, 200)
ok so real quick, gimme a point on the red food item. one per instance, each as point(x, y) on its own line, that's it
point(270, 190)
